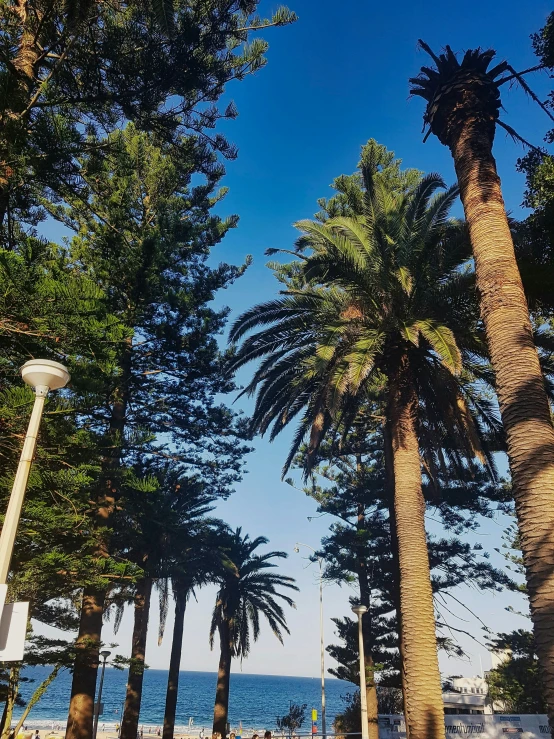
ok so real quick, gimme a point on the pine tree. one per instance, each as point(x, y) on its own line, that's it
point(71, 69)
point(148, 250)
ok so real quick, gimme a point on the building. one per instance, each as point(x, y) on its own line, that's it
point(467, 695)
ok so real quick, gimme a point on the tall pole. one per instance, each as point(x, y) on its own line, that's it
point(359, 611)
point(11, 522)
point(323, 717)
point(97, 705)
point(43, 375)
point(321, 636)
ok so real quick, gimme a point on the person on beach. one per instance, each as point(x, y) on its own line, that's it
point(267, 735)
point(37, 734)
point(232, 735)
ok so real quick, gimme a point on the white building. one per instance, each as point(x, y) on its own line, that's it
point(468, 695)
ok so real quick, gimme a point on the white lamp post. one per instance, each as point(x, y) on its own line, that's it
point(97, 706)
point(43, 375)
point(359, 611)
point(322, 642)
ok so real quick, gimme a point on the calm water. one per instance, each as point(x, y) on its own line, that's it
point(255, 699)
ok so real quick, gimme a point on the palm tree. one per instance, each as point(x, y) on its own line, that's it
point(463, 102)
point(164, 511)
point(246, 590)
point(194, 568)
point(386, 303)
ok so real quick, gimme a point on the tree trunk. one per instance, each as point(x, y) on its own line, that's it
point(365, 599)
point(130, 720)
point(87, 646)
point(4, 714)
point(519, 382)
point(425, 712)
point(81, 707)
point(174, 665)
point(13, 690)
point(221, 708)
point(395, 584)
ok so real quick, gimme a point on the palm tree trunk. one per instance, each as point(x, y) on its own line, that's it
point(130, 720)
point(221, 708)
point(425, 712)
point(87, 647)
point(395, 585)
point(519, 382)
point(174, 665)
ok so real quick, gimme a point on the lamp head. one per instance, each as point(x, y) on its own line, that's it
point(359, 610)
point(297, 549)
point(105, 654)
point(44, 375)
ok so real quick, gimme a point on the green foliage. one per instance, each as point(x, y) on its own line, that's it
point(348, 198)
point(516, 682)
point(70, 70)
point(247, 589)
point(391, 281)
point(293, 720)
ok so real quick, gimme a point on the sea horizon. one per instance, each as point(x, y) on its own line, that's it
point(255, 699)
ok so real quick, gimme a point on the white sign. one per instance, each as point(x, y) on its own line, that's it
point(13, 629)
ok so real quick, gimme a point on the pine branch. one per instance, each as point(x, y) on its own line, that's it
point(528, 90)
point(516, 135)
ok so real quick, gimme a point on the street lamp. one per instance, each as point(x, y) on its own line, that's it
point(320, 561)
point(359, 611)
point(104, 654)
point(43, 375)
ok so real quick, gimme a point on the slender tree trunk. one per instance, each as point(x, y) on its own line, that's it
point(81, 707)
point(221, 708)
point(425, 712)
point(174, 665)
point(395, 584)
point(130, 720)
point(13, 690)
point(519, 382)
point(365, 599)
point(3, 719)
point(37, 695)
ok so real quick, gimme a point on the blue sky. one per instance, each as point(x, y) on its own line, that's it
point(336, 78)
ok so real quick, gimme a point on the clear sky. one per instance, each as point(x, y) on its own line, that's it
point(336, 78)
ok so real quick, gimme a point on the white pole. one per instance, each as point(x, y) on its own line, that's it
point(323, 717)
point(363, 696)
point(99, 699)
point(11, 522)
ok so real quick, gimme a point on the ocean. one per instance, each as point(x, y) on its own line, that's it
point(255, 700)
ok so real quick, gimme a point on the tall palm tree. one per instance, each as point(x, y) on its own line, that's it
point(386, 302)
point(246, 589)
point(194, 567)
point(463, 102)
point(164, 511)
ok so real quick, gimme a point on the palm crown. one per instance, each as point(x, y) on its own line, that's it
point(247, 589)
point(389, 282)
